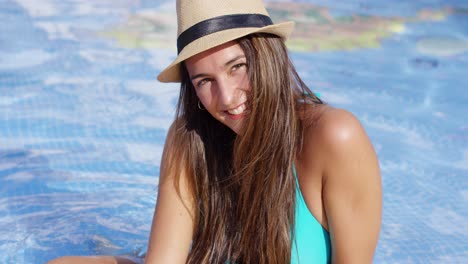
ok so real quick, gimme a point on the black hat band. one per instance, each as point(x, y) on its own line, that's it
point(220, 23)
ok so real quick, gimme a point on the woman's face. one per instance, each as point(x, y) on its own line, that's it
point(221, 82)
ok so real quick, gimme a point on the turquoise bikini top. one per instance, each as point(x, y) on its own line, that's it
point(312, 241)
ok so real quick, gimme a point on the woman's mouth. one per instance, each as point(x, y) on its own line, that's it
point(237, 112)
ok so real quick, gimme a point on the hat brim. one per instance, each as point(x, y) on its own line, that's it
point(172, 72)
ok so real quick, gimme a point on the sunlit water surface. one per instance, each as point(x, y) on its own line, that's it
point(83, 121)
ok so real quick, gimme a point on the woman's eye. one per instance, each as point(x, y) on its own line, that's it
point(238, 66)
point(201, 82)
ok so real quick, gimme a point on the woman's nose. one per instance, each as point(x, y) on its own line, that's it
point(226, 91)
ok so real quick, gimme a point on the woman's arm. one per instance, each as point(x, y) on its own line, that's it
point(171, 231)
point(351, 186)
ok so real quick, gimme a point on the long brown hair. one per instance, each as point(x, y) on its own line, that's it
point(242, 186)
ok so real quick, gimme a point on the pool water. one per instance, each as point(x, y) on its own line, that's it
point(83, 120)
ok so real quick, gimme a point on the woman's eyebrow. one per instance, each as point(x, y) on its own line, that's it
point(198, 76)
point(231, 61)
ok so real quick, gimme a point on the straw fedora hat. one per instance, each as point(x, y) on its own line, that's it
point(205, 24)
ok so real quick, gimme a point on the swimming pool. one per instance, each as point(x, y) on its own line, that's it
point(83, 120)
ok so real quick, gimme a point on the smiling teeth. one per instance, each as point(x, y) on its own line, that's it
point(238, 110)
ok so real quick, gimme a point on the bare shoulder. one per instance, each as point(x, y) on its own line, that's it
point(334, 129)
point(336, 142)
point(351, 184)
point(175, 128)
point(335, 134)
point(340, 138)
point(172, 160)
point(173, 217)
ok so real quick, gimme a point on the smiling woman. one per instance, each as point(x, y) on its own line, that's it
point(256, 168)
point(221, 82)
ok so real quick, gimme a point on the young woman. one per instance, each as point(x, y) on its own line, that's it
point(256, 168)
